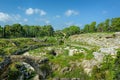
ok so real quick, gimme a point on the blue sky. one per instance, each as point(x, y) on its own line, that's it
point(59, 13)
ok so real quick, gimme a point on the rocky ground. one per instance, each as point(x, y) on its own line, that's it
point(106, 44)
point(72, 60)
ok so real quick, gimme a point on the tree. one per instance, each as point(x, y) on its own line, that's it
point(26, 29)
point(66, 31)
point(92, 27)
point(107, 25)
point(100, 27)
point(86, 28)
point(7, 31)
point(115, 24)
point(1, 31)
point(58, 33)
point(32, 31)
point(74, 29)
point(17, 30)
point(71, 30)
point(48, 29)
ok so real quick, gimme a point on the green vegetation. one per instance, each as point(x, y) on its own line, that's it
point(18, 30)
point(65, 49)
point(106, 71)
point(109, 70)
point(116, 66)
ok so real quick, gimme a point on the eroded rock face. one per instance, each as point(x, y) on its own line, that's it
point(98, 39)
point(106, 44)
point(117, 34)
point(4, 65)
point(25, 71)
point(108, 51)
point(88, 65)
point(33, 61)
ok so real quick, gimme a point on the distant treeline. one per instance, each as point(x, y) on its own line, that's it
point(18, 30)
point(109, 25)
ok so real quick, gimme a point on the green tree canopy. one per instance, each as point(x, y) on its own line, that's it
point(92, 27)
point(115, 24)
point(86, 28)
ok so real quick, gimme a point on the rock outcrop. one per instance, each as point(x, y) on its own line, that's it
point(33, 61)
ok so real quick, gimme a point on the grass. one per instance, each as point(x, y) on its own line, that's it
point(77, 72)
point(89, 56)
point(62, 60)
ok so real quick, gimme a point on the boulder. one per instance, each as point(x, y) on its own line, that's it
point(108, 51)
point(98, 56)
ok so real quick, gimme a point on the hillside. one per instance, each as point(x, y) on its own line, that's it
point(89, 56)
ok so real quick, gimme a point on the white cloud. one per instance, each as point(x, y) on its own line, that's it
point(31, 11)
point(11, 18)
point(39, 11)
point(42, 13)
point(4, 17)
point(71, 12)
point(16, 17)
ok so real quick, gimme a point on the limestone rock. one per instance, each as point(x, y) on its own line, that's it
point(88, 65)
point(98, 56)
point(65, 69)
point(117, 33)
point(108, 51)
point(26, 54)
point(36, 77)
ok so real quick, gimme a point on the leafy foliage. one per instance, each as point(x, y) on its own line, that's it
point(117, 66)
point(71, 30)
